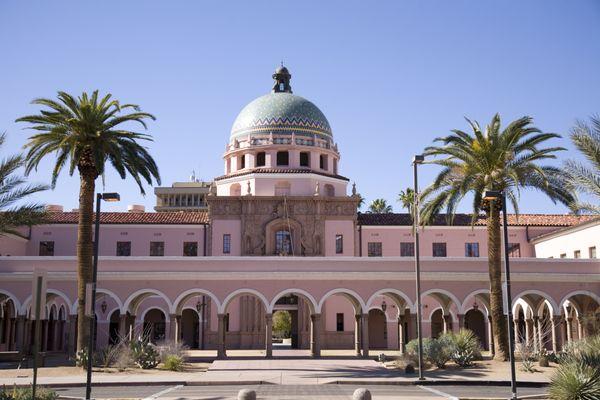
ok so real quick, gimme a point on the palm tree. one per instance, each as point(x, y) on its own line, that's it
point(496, 159)
point(407, 199)
point(85, 133)
point(13, 190)
point(586, 178)
point(379, 206)
point(361, 201)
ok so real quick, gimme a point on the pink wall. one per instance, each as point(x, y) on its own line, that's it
point(339, 227)
point(140, 236)
point(226, 226)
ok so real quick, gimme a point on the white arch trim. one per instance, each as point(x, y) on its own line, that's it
point(450, 313)
point(349, 292)
point(463, 307)
point(154, 308)
point(583, 292)
point(110, 293)
point(304, 294)
point(56, 292)
point(397, 292)
point(140, 292)
point(444, 292)
point(223, 306)
point(13, 298)
point(555, 310)
point(183, 295)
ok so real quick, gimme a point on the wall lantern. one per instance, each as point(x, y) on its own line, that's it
point(103, 307)
point(383, 306)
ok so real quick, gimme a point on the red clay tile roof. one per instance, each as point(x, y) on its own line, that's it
point(279, 171)
point(558, 220)
point(161, 218)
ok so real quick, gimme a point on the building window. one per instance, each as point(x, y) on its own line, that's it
point(226, 243)
point(190, 249)
point(157, 249)
point(329, 190)
point(471, 250)
point(592, 252)
point(563, 255)
point(439, 249)
point(283, 243)
point(339, 322)
point(339, 244)
point(514, 250)
point(407, 249)
point(260, 159)
point(323, 161)
point(46, 248)
point(577, 254)
point(242, 160)
point(283, 158)
point(374, 249)
point(304, 159)
point(123, 249)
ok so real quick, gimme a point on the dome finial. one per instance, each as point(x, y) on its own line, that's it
point(282, 79)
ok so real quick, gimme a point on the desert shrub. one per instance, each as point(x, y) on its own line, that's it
point(27, 394)
point(412, 350)
point(171, 348)
point(124, 358)
point(438, 351)
point(81, 358)
point(173, 363)
point(578, 376)
point(107, 356)
point(464, 347)
point(144, 354)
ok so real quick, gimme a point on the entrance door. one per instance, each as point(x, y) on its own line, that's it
point(377, 330)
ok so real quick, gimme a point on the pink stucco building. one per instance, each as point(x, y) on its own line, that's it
point(279, 230)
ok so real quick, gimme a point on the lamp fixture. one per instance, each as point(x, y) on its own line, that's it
point(383, 306)
point(103, 307)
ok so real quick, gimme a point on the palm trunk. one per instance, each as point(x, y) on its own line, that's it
point(84, 252)
point(499, 327)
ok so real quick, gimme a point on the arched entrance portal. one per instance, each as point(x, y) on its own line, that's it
point(377, 329)
point(154, 327)
point(437, 323)
point(475, 321)
point(190, 329)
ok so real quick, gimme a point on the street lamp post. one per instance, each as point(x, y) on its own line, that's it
point(418, 159)
point(499, 195)
point(91, 306)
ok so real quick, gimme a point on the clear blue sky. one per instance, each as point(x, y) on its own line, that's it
point(389, 75)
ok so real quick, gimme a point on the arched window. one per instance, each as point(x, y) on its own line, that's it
point(283, 243)
point(283, 158)
point(260, 159)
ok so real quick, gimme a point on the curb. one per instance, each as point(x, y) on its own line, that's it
point(439, 382)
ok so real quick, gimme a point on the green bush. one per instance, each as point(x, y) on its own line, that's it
point(438, 351)
point(173, 363)
point(464, 347)
point(27, 394)
point(578, 376)
point(144, 354)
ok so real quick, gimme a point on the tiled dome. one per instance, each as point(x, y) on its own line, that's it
point(281, 113)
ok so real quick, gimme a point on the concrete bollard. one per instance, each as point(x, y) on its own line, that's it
point(361, 394)
point(247, 394)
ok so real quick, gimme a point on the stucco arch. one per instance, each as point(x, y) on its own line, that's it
point(395, 295)
point(450, 313)
point(177, 307)
point(138, 296)
point(438, 295)
point(554, 307)
point(302, 293)
point(592, 295)
point(54, 292)
point(146, 311)
point(463, 307)
point(356, 300)
point(223, 306)
point(15, 302)
point(107, 292)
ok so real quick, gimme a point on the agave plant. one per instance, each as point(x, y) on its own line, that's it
point(578, 375)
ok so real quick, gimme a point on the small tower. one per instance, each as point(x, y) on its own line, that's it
point(282, 80)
